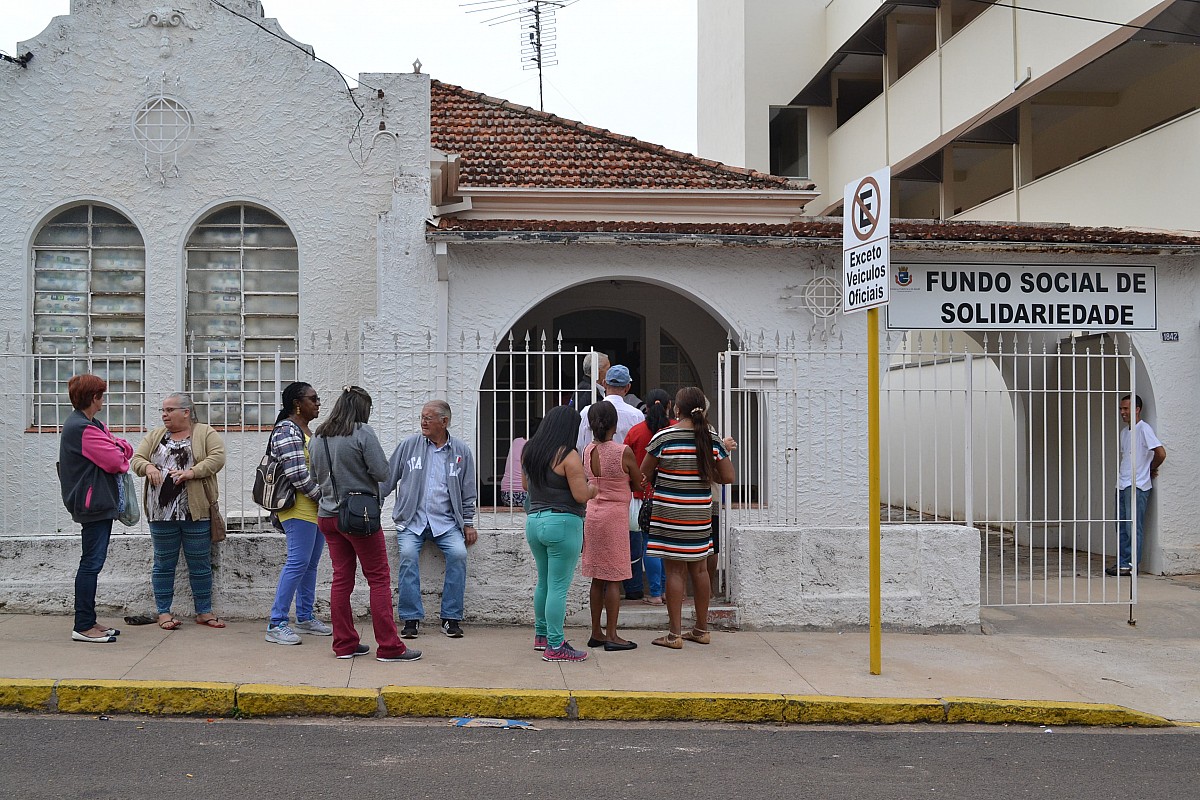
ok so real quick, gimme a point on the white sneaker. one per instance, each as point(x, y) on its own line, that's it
point(313, 626)
point(282, 634)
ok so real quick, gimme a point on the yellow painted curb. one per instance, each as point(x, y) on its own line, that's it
point(146, 697)
point(269, 700)
point(18, 694)
point(1046, 712)
point(833, 710)
point(702, 706)
point(433, 701)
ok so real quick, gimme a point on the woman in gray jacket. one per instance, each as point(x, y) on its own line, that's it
point(345, 446)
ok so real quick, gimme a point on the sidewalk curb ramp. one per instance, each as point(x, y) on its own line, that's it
point(213, 699)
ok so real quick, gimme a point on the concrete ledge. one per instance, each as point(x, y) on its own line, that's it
point(269, 700)
point(701, 706)
point(18, 694)
point(833, 710)
point(146, 697)
point(433, 701)
point(1043, 712)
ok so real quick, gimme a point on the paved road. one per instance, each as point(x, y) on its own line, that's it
point(138, 757)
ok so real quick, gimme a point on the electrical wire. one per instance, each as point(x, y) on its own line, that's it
point(1090, 19)
point(361, 113)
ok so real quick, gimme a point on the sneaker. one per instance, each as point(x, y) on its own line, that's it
point(407, 655)
point(451, 628)
point(1114, 570)
point(313, 626)
point(564, 652)
point(361, 650)
point(411, 629)
point(282, 634)
point(539, 642)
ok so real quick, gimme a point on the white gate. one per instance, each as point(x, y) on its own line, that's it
point(1016, 435)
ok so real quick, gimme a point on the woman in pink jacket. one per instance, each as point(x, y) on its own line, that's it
point(90, 462)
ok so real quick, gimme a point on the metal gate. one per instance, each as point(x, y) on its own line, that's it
point(1018, 436)
point(1015, 435)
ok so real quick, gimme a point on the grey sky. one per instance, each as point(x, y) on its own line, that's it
point(625, 65)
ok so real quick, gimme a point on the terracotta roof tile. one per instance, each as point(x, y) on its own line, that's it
point(831, 228)
point(501, 144)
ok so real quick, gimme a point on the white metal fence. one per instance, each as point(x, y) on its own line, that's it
point(999, 433)
point(496, 396)
point(1003, 433)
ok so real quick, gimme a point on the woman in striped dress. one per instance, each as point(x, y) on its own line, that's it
point(683, 462)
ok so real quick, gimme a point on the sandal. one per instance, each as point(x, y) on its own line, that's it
point(211, 622)
point(653, 600)
point(698, 636)
point(170, 624)
point(671, 640)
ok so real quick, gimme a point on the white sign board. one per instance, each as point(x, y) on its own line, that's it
point(866, 250)
point(994, 297)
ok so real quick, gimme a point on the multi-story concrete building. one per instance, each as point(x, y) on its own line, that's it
point(1077, 111)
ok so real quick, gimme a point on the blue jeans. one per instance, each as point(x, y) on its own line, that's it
point(637, 552)
point(454, 548)
point(95, 550)
point(654, 571)
point(556, 540)
point(195, 537)
point(299, 576)
point(1123, 521)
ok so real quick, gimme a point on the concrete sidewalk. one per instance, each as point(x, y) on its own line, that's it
point(1041, 665)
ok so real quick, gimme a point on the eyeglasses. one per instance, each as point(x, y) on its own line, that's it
point(312, 397)
point(169, 409)
point(427, 418)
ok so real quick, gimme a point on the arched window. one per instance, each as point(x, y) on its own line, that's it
point(243, 314)
point(89, 312)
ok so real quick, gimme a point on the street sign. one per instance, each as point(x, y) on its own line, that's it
point(866, 240)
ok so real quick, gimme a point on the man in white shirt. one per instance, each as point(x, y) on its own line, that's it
point(617, 382)
point(1142, 448)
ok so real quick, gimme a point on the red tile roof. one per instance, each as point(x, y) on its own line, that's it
point(503, 144)
point(831, 228)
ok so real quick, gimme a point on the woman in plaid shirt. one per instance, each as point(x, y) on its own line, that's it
point(298, 580)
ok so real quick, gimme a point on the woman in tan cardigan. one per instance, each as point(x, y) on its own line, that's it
point(180, 460)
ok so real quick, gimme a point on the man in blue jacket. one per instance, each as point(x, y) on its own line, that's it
point(434, 477)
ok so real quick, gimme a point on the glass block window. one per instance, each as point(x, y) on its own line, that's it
point(675, 369)
point(243, 315)
point(89, 313)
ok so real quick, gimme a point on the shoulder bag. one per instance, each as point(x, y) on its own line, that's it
point(272, 489)
point(215, 520)
point(358, 512)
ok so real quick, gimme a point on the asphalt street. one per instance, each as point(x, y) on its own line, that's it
point(52, 756)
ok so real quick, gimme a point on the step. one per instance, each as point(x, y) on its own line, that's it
point(636, 615)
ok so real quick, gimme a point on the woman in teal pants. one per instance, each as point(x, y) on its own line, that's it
point(553, 475)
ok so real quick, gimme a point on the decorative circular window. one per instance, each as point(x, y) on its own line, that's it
point(823, 297)
point(162, 125)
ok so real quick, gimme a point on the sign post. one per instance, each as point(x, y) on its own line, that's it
point(866, 285)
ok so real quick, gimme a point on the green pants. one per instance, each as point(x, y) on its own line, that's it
point(556, 540)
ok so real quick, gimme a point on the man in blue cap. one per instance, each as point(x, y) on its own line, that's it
point(617, 383)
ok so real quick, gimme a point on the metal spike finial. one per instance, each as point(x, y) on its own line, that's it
point(417, 67)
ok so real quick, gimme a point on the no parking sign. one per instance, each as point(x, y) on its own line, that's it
point(866, 242)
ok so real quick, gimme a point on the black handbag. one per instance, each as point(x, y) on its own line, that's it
point(358, 512)
point(272, 489)
point(644, 514)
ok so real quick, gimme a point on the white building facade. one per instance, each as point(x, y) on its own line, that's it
point(1057, 111)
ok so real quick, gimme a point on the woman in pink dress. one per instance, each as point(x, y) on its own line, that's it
point(612, 469)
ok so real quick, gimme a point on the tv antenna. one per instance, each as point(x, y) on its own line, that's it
point(536, 19)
